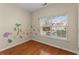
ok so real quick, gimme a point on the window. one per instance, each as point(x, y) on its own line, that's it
point(54, 27)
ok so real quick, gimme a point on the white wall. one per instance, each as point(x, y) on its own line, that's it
point(9, 16)
point(59, 9)
point(78, 27)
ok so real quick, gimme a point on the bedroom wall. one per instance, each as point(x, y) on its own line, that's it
point(71, 11)
point(9, 17)
point(78, 26)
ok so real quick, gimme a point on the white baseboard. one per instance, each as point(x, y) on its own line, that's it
point(57, 46)
point(14, 45)
point(38, 41)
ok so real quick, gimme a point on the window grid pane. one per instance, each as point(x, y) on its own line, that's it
point(54, 26)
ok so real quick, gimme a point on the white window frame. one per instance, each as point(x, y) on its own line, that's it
point(55, 37)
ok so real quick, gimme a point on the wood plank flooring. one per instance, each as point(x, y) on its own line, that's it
point(35, 48)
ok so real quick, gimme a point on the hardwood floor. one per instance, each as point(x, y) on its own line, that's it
point(35, 48)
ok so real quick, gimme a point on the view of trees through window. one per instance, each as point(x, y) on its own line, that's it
point(53, 26)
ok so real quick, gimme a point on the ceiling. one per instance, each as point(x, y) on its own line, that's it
point(31, 6)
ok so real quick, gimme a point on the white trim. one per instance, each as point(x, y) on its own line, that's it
point(57, 46)
point(14, 45)
point(38, 41)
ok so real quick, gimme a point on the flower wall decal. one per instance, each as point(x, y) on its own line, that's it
point(6, 34)
point(18, 33)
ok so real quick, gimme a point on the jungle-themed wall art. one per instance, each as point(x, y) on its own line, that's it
point(17, 33)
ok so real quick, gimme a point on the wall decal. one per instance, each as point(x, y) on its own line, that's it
point(6, 35)
point(9, 40)
point(18, 33)
point(17, 28)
